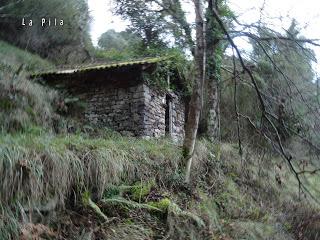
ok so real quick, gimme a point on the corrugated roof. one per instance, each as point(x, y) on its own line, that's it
point(100, 67)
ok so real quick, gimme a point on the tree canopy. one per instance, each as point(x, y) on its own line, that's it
point(70, 42)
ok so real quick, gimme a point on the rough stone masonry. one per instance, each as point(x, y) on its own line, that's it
point(136, 111)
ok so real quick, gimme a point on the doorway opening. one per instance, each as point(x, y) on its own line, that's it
point(168, 116)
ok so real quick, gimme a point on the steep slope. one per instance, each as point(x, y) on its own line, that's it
point(111, 187)
point(95, 184)
point(23, 103)
point(13, 58)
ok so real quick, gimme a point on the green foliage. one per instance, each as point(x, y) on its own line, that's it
point(119, 46)
point(209, 208)
point(112, 191)
point(258, 231)
point(112, 40)
point(113, 55)
point(86, 197)
point(302, 221)
point(62, 44)
point(129, 205)
point(120, 41)
point(176, 67)
point(141, 190)
point(184, 224)
point(225, 11)
point(163, 204)
point(132, 231)
point(230, 196)
point(285, 69)
point(247, 105)
point(87, 202)
point(148, 25)
point(157, 23)
point(6, 104)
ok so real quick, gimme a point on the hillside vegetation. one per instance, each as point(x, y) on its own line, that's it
point(111, 187)
point(59, 182)
point(22, 102)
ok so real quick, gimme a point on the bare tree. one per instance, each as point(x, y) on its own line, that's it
point(213, 32)
point(195, 104)
point(270, 128)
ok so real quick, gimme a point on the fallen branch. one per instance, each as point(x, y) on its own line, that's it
point(130, 204)
point(175, 210)
point(86, 200)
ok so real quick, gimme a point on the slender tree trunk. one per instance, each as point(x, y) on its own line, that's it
point(197, 94)
point(318, 90)
point(213, 117)
point(210, 115)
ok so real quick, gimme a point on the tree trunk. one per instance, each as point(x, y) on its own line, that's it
point(213, 114)
point(197, 93)
point(210, 115)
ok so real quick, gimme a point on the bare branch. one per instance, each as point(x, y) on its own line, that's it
point(275, 38)
point(279, 147)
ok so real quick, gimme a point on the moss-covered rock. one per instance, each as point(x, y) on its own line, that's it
point(163, 204)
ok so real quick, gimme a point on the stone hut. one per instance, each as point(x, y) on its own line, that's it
point(117, 96)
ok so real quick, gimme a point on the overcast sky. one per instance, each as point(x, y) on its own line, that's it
point(102, 18)
point(306, 12)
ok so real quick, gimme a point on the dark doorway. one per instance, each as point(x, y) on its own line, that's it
point(168, 117)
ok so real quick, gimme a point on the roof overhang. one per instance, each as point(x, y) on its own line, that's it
point(144, 64)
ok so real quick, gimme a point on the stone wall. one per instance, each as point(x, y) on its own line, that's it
point(155, 110)
point(155, 114)
point(133, 110)
point(121, 109)
point(178, 117)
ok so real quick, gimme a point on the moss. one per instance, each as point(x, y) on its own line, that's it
point(163, 204)
point(87, 202)
point(85, 198)
point(140, 191)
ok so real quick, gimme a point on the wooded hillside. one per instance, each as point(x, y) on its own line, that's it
point(247, 168)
